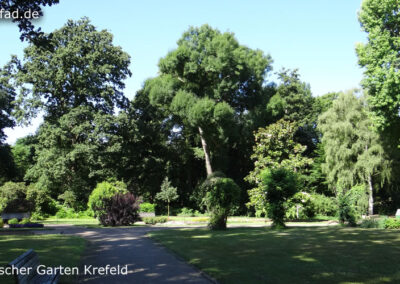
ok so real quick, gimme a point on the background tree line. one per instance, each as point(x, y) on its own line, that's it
point(211, 111)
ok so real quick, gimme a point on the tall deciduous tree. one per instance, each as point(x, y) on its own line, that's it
point(208, 80)
point(80, 67)
point(381, 58)
point(354, 154)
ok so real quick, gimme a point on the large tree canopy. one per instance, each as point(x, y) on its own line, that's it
point(354, 153)
point(381, 58)
point(79, 67)
point(208, 80)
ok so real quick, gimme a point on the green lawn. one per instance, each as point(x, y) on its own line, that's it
point(76, 221)
point(53, 250)
point(295, 255)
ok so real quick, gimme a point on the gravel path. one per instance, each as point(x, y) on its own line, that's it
point(146, 261)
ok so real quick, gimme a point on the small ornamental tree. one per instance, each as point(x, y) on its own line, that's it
point(168, 193)
point(278, 185)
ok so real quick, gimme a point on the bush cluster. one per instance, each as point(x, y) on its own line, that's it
point(154, 220)
point(187, 212)
point(13, 221)
point(392, 223)
point(104, 191)
point(147, 207)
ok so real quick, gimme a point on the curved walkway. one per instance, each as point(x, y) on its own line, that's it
point(146, 261)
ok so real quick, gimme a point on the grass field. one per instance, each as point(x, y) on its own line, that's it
point(76, 221)
point(295, 255)
point(53, 250)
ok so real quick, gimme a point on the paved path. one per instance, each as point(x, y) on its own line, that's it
point(147, 262)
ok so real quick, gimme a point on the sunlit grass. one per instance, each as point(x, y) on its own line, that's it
point(53, 250)
point(295, 255)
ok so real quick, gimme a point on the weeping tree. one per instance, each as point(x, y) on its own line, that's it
point(353, 151)
point(207, 82)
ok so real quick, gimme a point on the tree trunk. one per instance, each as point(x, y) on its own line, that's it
point(206, 152)
point(371, 196)
point(168, 210)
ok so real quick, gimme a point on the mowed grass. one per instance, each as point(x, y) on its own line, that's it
point(294, 255)
point(53, 250)
point(69, 221)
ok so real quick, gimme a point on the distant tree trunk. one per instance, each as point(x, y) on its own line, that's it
point(206, 152)
point(371, 196)
point(168, 209)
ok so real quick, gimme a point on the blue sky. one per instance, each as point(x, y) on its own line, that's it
point(316, 36)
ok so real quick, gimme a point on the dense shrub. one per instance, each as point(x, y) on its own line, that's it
point(25, 221)
point(154, 220)
point(43, 203)
point(38, 216)
point(1, 223)
point(104, 191)
point(187, 212)
point(346, 209)
point(69, 213)
point(392, 223)
point(122, 209)
point(222, 194)
point(13, 198)
point(147, 207)
point(373, 223)
point(13, 221)
point(300, 206)
point(324, 205)
point(279, 185)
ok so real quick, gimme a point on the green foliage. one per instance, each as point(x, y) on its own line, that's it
point(13, 198)
point(168, 193)
point(25, 221)
point(278, 186)
point(324, 205)
point(43, 203)
point(221, 195)
point(24, 154)
point(353, 151)
point(1, 223)
point(293, 100)
point(82, 68)
point(69, 213)
point(379, 56)
point(187, 212)
point(13, 221)
point(346, 210)
point(7, 96)
point(207, 82)
point(147, 207)
point(373, 223)
point(75, 153)
point(274, 148)
point(154, 220)
point(69, 198)
point(392, 223)
point(300, 206)
point(104, 190)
